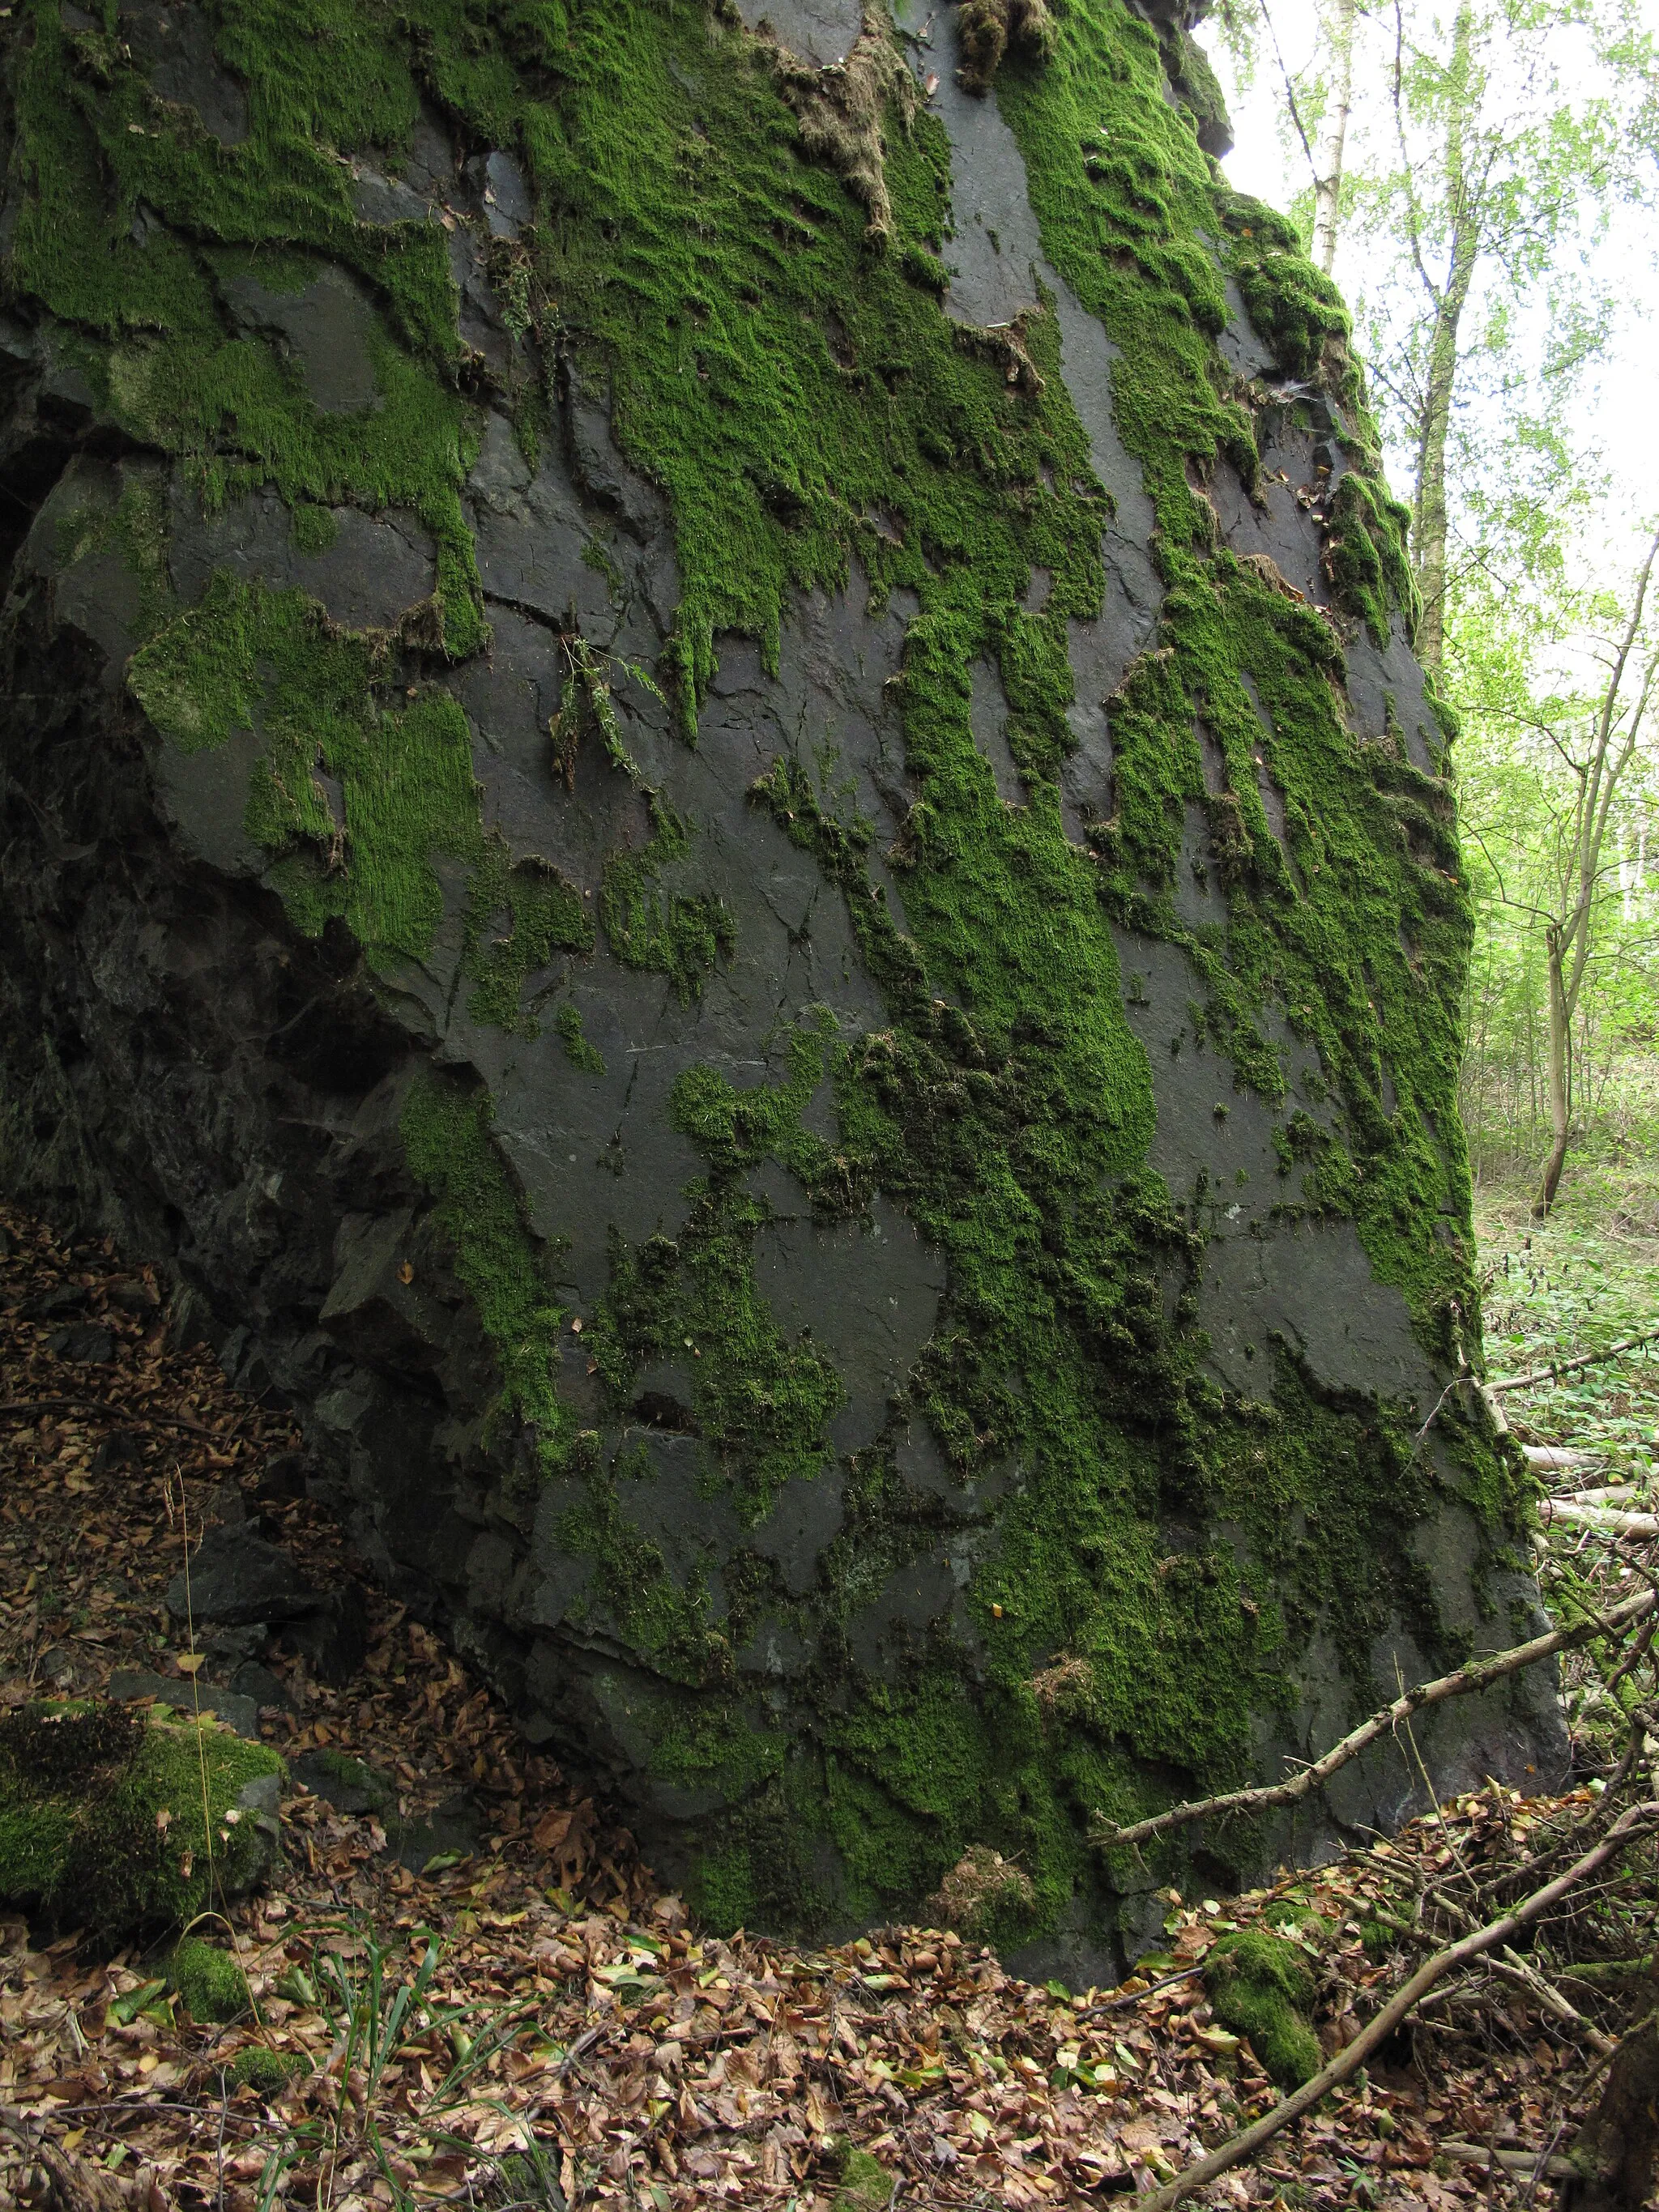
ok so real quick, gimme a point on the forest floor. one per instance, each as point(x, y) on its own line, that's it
point(586, 2044)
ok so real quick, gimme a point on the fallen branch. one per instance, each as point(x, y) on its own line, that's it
point(1478, 1674)
point(1601, 1520)
point(1572, 1366)
point(1554, 2167)
point(27, 1409)
point(1348, 2061)
point(1514, 1968)
point(1139, 1997)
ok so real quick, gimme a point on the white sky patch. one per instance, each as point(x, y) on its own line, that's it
point(1618, 411)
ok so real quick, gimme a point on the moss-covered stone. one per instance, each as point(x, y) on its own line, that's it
point(209, 1980)
point(1262, 1986)
point(101, 1817)
point(845, 1626)
point(863, 2184)
point(267, 2072)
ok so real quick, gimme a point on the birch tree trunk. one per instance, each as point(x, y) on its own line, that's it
point(1327, 184)
point(1559, 1075)
point(1429, 514)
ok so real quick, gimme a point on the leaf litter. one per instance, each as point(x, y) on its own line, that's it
point(533, 2022)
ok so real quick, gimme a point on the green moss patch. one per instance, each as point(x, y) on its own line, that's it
point(102, 1818)
point(209, 1981)
point(267, 2072)
point(863, 2184)
point(1262, 1986)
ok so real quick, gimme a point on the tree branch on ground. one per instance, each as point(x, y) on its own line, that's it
point(1477, 1674)
point(1349, 2060)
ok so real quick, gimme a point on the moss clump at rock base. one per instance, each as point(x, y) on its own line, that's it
point(267, 2072)
point(101, 1817)
point(1262, 1986)
point(864, 2183)
point(212, 1985)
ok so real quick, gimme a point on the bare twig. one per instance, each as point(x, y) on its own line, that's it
point(1571, 1366)
point(1514, 1968)
point(27, 1408)
point(1348, 2061)
point(1478, 1674)
point(1139, 1997)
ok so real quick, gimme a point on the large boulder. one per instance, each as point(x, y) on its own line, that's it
point(128, 1823)
point(716, 805)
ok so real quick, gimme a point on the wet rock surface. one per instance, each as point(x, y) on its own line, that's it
point(232, 1092)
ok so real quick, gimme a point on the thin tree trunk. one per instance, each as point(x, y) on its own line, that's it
point(1616, 2158)
point(1327, 183)
point(1428, 513)
point(1560, 1074)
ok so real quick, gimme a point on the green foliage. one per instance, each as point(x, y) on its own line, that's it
point(1262, 1986)
point(102, 1818)
point(210, 1982)
point(1586, 1278)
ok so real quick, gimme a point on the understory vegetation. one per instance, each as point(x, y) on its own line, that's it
point(527, 2017)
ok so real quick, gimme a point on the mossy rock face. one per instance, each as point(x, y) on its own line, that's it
point(101, 1817)
point(349, 1784)
point(1261, 1985)
point(787, 912)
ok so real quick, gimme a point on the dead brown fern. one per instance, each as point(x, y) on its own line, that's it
point(841, 109)
point(981, 1885)
point(987, 29)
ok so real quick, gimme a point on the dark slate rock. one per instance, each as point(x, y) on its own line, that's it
point(268, 1692)
point(229, 1092)
point(129, 1685)
point(238, 1578)
point(173, 45)
point(374, 569)
point(86, 1345)
point(332, 1637)
point(453, 1831)
point(119, 1447)
point(821, 31)
point(327, 327)
point(348, 1784)
point(283, 1475)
